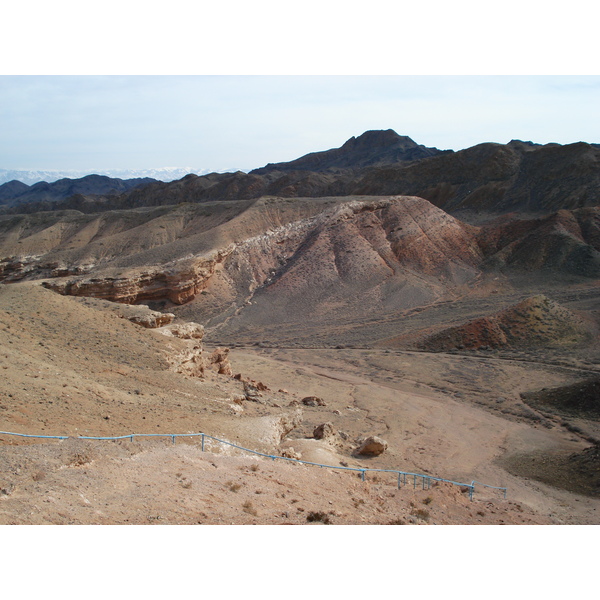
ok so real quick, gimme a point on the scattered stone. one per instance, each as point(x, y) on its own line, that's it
point(291, 453)
point(251, 392)
point(372, 446)
point(313, 401)
point(324, 431)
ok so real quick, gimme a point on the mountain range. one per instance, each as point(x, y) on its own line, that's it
point(32, 176)
point(518, 176)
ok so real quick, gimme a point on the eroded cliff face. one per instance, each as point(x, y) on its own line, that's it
point(177, 282)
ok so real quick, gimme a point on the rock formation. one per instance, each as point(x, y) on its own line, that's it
point(218, 361)
point(177, 282)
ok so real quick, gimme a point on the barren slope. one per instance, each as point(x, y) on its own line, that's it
point(536, 321)
point(74, 366)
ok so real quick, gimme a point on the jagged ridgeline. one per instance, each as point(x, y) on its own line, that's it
point(518, 176)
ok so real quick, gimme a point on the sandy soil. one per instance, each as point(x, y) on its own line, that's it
point(72, 366)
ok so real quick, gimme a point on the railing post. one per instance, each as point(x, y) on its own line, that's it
point(173, 438)
point(363, 475)
point(202, 442)
point(399, 476)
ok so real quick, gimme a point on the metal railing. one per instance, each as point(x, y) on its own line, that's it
point(404, 477)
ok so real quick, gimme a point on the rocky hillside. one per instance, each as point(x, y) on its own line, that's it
point(496, 177)
point(257, 265)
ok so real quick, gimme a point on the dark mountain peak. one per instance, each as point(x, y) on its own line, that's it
point(523, 145)
point(379, 138)
point(372, 148)
point(12, 189)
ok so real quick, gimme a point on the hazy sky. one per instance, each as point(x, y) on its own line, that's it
point(222, 122)
point(239, 84)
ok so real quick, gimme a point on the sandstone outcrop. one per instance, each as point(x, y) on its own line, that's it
point(142, 315)
point(286, 423)
point(272, 430)
point(219, 361)
point(187, 361)
point(177, 282)
point(185, 331)
point(153, 320)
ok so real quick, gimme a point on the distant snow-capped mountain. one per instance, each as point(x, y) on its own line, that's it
point(162, 174)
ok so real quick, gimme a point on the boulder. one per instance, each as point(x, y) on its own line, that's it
point(324, 431)
point(372, 446)
point(313, 401)
point(291, 453)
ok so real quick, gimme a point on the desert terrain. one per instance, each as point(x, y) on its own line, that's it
point(464, 342)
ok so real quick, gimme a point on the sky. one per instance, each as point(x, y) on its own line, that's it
point(228, 122)
point(236, 85)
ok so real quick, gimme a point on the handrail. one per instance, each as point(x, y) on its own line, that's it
point(402, 475)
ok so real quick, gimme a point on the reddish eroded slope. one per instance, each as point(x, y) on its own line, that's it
point(536, 321)
point(351, 260)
